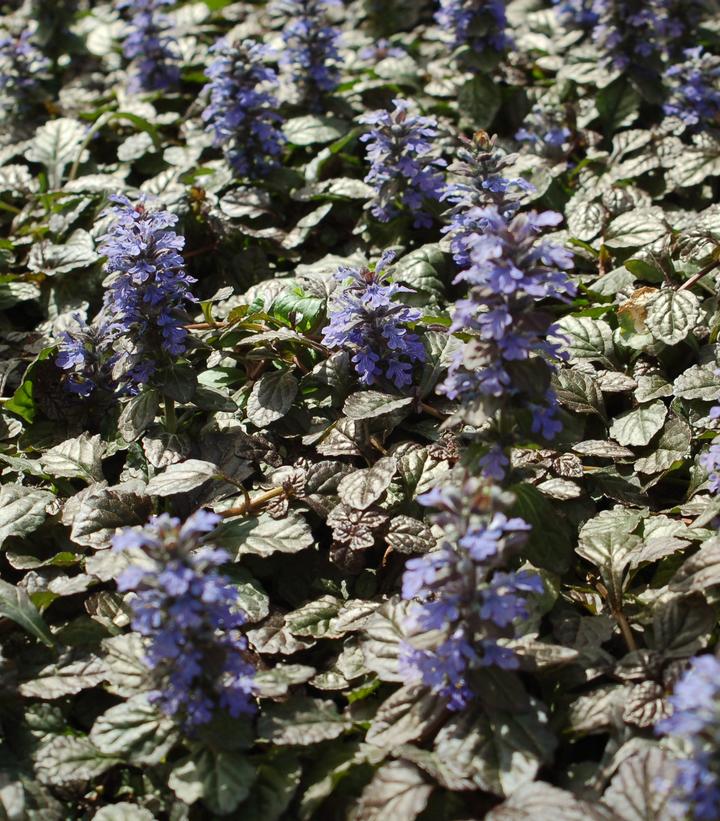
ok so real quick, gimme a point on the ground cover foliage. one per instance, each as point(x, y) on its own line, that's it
point(359, 383)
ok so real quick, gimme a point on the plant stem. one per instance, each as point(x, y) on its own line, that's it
point(204, 326)
point(253, 504)
point(100, 123)
point(197, 251)
point(700, 274)
point(214, 326)
point(619, 616)
point(625, 629)
point(432, 411)
point(170, 417)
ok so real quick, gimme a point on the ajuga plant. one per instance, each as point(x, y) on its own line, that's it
point(694, 89)
point(143, 309)
point(149, 45)
point(82, 355)
point(477, 180)
point(405, 170)
point(479, 24)
point(545, 131)
point(465, 604)
point(365, 319)
point(508, 358)
point(311, 49)
point(141, 325)
point(242, 111)
point(190, 617)
point(22, 66)
point(636, 33)
point(694, 728)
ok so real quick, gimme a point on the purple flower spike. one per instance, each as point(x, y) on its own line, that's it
point(141, 317)
point(479, 24)
point(695, 725)
point(21, 65)
point(311, 49)
point(242, 112)
point(695, 89)
point(508, 268)
point(150, 46)
point(365, 319)
point(191, 617)
point(636, 33)
point(141, 324)
point(460, 592)
point(404, 169)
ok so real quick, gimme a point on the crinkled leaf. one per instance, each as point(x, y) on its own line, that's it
point(397, 790)
point(672, 446)
point(409, 714)
point(56, 681)
point(363, 487)
point(408, 535)
point(580, 392)
point(127, 671)
point(671, 315)
point(55, 145)
point(301, 721)
point(265, 535)
point(22, 510)
point(66, 760)
point(79, 458)
point(549, 544)
point(607, 541)
point(314, 619)
point(637, 427)
point(371, 404)
point(634, 794)
point(601, 449)
point(274, 638)
point(636, 228)
point(313, 130)
point(479, 100)
point(276, 783)
point(78, 251)
point(681, 625)
point(698, 382)
point(381, 641)
point(102, 511)
point(182, 477)
point(138, 414)
point(134, 731)
point(276, 682)
point(700, 572)
point(586, 339)
point(419, 270)
point(16, 606)
point(271, 398)
point(252, 597)
point(221, 779)
point(541, 800)
point(500, 751)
